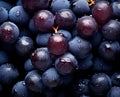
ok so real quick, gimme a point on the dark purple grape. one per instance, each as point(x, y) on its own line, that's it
point(111, 30)
point(57, 44)
point(9, 32)
point(35, 5)
point(50, 78)
point(102, 12)
point(65, 19)
point(86, 26)
point(44, 20)
point(41, 59)
point(57, 5)
point(66, 64)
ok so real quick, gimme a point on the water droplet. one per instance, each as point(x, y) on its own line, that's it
point(79, 41)
point(23, 83)
point(18, 13)
point(15, 91)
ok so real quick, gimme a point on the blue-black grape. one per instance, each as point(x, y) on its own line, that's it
point(28, 66)
point(80, 47)
point(3, 15)
point(111, 30)
point(114, 92)
point(86, 63)
point(100, 84)
point(42, 39)
point(8, 73)
point(32, 26)
point(18, 15)
point(50, 78)
point(33, 81)
point(80, 7)
point(109, 50)
point(116, 79)
point(66, 33)
point(116, 9)
point(6, 5)
point(20, 90)
point(57, 5)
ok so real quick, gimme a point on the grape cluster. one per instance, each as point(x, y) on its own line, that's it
point(59, 48)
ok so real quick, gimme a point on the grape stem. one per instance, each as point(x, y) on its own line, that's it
point(55, 29)
point(91, 2)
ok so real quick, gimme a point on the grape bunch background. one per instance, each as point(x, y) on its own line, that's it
point(59, 48)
